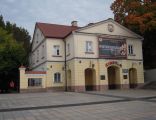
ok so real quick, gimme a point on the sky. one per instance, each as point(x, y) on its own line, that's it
point(25, 13)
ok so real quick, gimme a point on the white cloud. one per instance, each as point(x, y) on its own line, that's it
point(10, 1)
point(26, 12)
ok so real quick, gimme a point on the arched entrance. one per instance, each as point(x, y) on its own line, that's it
point(113, 77)
point(69, 84)
point(132, 78)
point(90, 78)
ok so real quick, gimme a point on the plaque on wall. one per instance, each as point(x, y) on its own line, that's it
point(124, 76)
point(125, 70)
point(102, 77)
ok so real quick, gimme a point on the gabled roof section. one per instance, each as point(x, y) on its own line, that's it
point(109, 20)
point(54, 30)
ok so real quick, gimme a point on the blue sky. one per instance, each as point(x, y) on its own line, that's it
point(26, 13)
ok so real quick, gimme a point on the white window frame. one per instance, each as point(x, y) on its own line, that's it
point(130, 49)
point(57, 77)
point(56, 49)
point(89, 46)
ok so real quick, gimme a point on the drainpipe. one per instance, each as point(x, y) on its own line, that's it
point(65, 68)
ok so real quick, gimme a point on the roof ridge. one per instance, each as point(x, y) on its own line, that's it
point(55, 30)
point(55, 24)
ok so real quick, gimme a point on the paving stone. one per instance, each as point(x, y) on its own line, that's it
point(139, 109)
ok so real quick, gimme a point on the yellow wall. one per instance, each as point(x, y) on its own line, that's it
point(137, 45)
point(80, 46)
point(103, 29)
point(56, 67)
point(24, 79)
point(50, 42)
point(70, 40)
point(101, 69)
point(78, 60)
point(78, 67)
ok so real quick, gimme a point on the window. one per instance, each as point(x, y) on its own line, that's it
point(56, 50)
point(130, 49)
point(42, 51)
point(37, 38)
point(33, 58)
point(89, 46)
point(32, 82)
point(68, 48)
point(57, 78)
point(37, 56)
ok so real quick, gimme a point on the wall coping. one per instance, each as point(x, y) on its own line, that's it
point(35, 72)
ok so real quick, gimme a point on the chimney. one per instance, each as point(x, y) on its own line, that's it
point(74, 23)
point(90, 24)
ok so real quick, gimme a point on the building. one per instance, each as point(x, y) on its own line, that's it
point(98, 56)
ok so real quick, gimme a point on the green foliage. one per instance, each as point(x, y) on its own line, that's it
point(20, 34)
point(14, 50)
point(12, 54)
point(2, 24)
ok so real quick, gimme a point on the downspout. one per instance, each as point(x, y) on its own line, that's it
point(65, 68)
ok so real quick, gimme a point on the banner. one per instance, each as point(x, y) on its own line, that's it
point(112, 48)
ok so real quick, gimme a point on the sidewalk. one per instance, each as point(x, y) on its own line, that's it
point(109, 105)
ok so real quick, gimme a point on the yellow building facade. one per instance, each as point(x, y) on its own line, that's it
point(99, 56)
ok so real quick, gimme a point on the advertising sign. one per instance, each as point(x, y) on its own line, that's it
point(109, 48)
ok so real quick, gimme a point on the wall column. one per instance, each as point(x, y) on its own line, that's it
point(49, 78)
point(23, 82)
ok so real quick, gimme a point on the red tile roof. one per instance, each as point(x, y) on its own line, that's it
point(55, 31)
point(35, 72)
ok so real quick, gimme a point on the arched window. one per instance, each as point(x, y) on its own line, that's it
point(57, 77)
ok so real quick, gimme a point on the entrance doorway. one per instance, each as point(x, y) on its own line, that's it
point(113, 77)
point(90, 77)
point(69, 84)
point(132, 78)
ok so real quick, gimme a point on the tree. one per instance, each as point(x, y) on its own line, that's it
point(12, 55)
point(140, 17)
point(20, 34)
point(2, 24)
point(14, 50)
